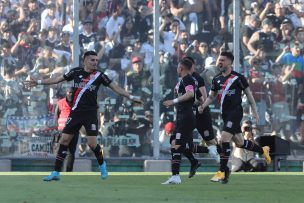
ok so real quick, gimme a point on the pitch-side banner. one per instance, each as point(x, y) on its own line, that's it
point(35, 147)
point(30, 125)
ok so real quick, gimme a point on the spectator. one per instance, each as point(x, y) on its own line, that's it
point(203, 52)
point(45, 64)
point(34, 10)
point(278, 103)
point(87, 38)
point(143, 21)
point(50, 17)
point(293, 57)
point(52, 38)
point(262, 39)
point(139, 82)
point(64, 43)
point(115, 21)
point(164, 138)
point(299, 35)
point(248, 31)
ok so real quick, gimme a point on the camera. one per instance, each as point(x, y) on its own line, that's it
point(247, 129)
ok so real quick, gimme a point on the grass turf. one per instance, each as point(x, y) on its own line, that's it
point(25, 187)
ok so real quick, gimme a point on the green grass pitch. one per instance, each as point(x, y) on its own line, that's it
point(28, 187)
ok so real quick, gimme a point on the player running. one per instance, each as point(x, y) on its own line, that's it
point(228, 86)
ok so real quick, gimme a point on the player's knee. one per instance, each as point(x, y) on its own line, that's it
point(239, 144)
point(92, 146)
point(211, 142)
point(64, 141)
point(180, 148)
point(172, 144)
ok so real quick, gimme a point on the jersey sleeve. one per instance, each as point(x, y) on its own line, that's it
point(214, 86)
point(243, 82)
point(189, 83)
point(70, 75)
point(105, 80)
point(200, 80)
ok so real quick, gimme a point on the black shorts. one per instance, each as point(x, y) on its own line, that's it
point(76, 120)
point(232, 121)
point(183, 133)
point(204, 124)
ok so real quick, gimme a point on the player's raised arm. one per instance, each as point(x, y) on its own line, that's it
point(117, 89)
point(49, 81)
point(188, 95)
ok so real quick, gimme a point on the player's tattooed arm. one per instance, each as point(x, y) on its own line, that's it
point(208, 101)
point(252, 103)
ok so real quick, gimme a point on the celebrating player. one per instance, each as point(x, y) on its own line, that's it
point(86, 82)
point(228, 85)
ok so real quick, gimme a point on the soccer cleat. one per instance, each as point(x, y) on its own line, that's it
point(103, 170)
point(218, 176)
point(55, 175)
point(266, 150)
point(226, 178)
point(213, 153)
point(194, 168)
point(173, 180)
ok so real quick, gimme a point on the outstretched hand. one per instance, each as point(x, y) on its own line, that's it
point(30, 83)
point(136, 99)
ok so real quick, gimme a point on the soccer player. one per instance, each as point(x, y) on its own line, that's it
point(86, 82)
point(203, 120)
point(228, 85)
point(185, 120)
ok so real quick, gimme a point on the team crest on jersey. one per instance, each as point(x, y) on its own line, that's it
point(230, 92)
point(93, 127)
point(229, 124)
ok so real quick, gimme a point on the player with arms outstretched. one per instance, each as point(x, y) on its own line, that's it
point(86, 82)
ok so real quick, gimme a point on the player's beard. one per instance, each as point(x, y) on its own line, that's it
point(93, 68)
point(223, 69)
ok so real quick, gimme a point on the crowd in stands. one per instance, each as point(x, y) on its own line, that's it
point(36, 42)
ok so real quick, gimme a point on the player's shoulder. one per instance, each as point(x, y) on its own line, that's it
point(217, 76)
point(75, 70)
point(188, 77)
point(196, 75)
point(237, 74)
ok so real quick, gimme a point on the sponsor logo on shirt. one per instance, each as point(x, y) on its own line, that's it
point(82, 84)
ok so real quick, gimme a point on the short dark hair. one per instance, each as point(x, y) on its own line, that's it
point(89, 53)
point(228, 55)
point(186, 63)
point(189, 58)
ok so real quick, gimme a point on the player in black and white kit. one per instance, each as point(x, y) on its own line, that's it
point(86, 82)
point(228, 87)
point(203, 120)
point(182, 139)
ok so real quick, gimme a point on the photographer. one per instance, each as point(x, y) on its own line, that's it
point(244, 160)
